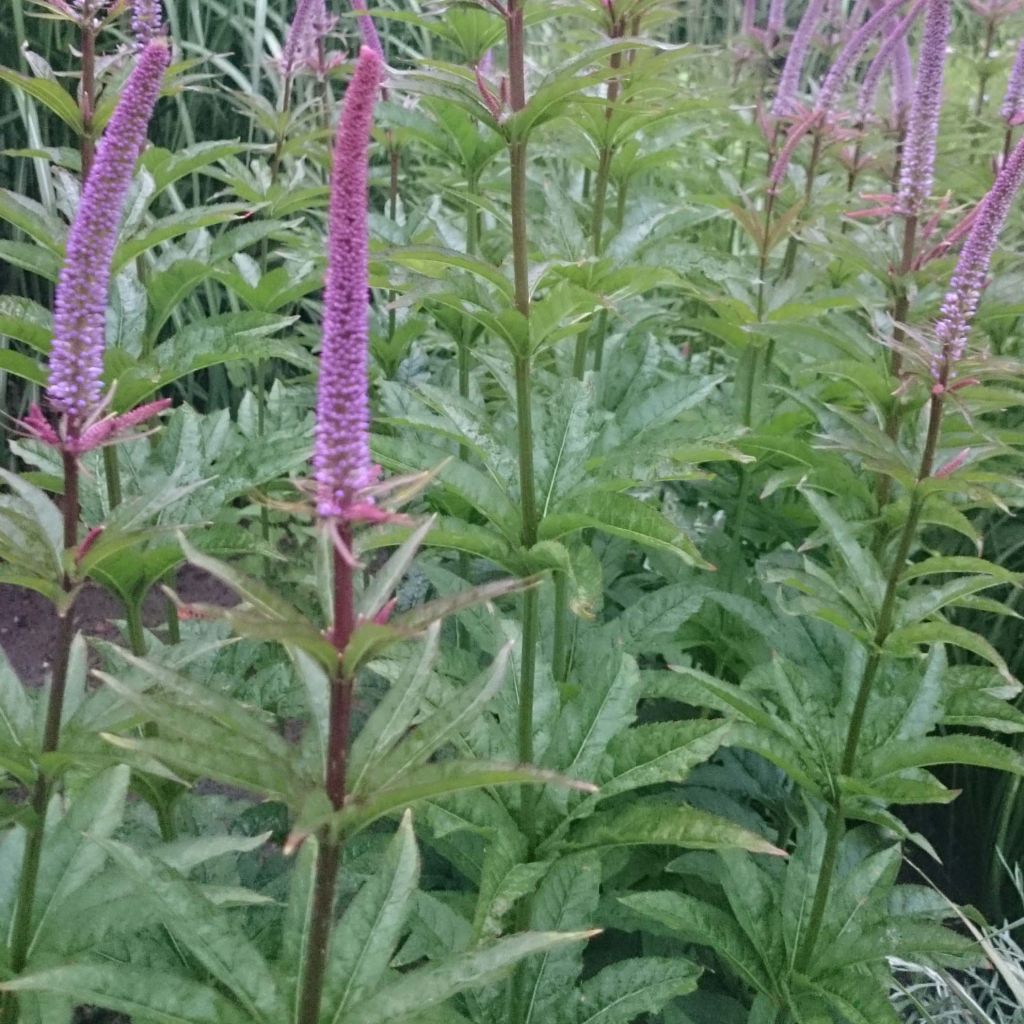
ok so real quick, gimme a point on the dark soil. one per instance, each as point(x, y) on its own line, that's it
point(28, 624)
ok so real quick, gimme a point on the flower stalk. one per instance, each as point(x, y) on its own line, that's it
point(951, 332)
point(343, 470)
point(76, 363)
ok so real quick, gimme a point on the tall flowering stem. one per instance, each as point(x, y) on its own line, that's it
point(76, 362)
point(342, 467)
point(917, 173)
point(616, 30)
point(951, 332)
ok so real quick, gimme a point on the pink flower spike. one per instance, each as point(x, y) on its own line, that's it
point(1014, 98)
point(792, 71)
point(36, 425)
point(113, 428)
point(90, 538)
point(953, 465)
point(80, 307)
point(382, 617)
point(970, 277)
point(367, 29)
point(341, 455)
point(490, 100)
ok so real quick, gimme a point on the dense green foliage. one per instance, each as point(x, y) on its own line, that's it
point(705, 611)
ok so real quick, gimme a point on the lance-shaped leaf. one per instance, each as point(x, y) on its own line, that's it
point(622, 992)
point(651, 822)
point(429, 986)
point(207, 933)
point(137, 991)
point(366, 937)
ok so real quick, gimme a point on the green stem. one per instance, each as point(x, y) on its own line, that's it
point(561, 640)
point(883, 629)
point(136, 631)
point(21, 927)
point(597, 218)
point(900, 310)
point(330, 847)
point(112, 475)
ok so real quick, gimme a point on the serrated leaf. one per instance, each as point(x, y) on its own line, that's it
point(145, 994)
point(431, 985)
point(625, 990)
point(650, 822)
point(208, 934)
point(366, 937)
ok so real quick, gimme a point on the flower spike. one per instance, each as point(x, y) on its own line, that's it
point(968, 281)
point(918, 171)
point(341, 456)
point(76, 358)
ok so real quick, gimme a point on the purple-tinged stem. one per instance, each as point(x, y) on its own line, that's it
point(951, 330)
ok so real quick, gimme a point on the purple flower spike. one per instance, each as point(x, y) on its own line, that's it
point(902, 83)
point(968, 281)
point(80, 313)
point(887, 55)
point(918, 170)
point(367, 29)
point(1012, 102)
point(789, 82)
point(147, 20)
point(852, 50)
point(341, 455)
point(300, 43)
point(776, 20)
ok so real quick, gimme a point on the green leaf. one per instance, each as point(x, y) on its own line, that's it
point(431, 985)
point(72, 854)
point(931, 750)
point(904, 642)
point(144, 994)
point(566, 898)
point(623, 991)
point(692, 920)
point(396, 713)
point(50, 94)
point(366, 937)
point(207, 933)
point(864, 571)
point(647, 755)
point(603, 707)
point(651, 822)
point(28, 322)
point(438, 728)
point(622, 516)
point(429, 781)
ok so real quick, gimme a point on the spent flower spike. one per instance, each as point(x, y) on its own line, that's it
point(968, 281)
point(76, 358)
point(918, 170)
point(341, 456)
